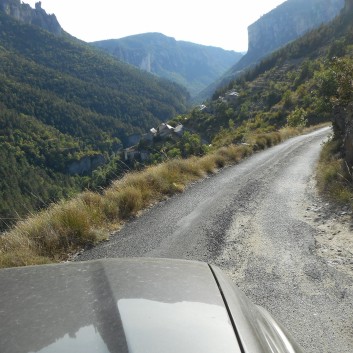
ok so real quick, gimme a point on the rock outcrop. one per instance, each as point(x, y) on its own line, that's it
point(86, 165)
point(37, 16)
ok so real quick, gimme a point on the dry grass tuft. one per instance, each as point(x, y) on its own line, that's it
point(333, 179)
point(208, 164)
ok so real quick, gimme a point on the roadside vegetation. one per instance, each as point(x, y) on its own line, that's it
point(335, 170)
point(66, 227)
point(334, 178)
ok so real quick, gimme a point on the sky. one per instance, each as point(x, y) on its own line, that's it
point(219, 23)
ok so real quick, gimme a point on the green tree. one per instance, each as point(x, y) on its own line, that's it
point(297, 118)
point(191, 144)
point(174, 153)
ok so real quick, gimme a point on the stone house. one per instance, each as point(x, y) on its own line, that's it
point(165, 130)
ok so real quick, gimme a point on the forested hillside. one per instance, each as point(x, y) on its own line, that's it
point(61, 102)
point(192, 65)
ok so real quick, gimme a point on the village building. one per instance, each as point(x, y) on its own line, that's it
point(232, 95)
point(165, 130)
point(222, 99)
point(179, 130)
point(132, 153)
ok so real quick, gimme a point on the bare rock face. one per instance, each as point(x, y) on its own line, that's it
point(349, 6)
point(289, 21)
point(86, 165)
point(146, 63)
point(37, 16)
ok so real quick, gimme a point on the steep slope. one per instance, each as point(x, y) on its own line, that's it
point(65, 104)
point(63, 71)
point(191, 65)
point(286, 23)
point(280, 26)
point(289, 87)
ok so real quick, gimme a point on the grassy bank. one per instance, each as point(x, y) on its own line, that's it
point(65, 227)
point(334, 179)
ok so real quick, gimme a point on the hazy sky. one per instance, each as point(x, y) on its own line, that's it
point(220, 23)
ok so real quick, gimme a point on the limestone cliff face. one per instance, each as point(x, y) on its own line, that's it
point(146, 63)
point(37, 16)
point(289, 21)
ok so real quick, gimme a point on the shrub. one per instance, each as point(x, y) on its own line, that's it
point(297, 118)
point(332, 177)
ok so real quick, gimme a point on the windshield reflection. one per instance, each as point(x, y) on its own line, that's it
point(87, 340)
point(152, 326)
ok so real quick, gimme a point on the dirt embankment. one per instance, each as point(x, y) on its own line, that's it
point(334, 239)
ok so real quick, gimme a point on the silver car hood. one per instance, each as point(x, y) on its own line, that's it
point(114, 305)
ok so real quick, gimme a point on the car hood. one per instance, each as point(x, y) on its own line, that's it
point(114, 305)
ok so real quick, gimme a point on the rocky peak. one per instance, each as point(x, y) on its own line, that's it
point(37, 16)
point(348, 5)
point(348, 9)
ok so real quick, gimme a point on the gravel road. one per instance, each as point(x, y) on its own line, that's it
point(252, 221)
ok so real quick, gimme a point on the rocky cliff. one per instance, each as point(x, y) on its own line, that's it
point(287, 22)
point(37, 16)
point(86, 165)
point(274, 30)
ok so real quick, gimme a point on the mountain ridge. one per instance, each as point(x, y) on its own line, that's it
point(189, 64)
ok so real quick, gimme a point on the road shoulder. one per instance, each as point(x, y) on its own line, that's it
point(334, 224)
